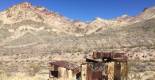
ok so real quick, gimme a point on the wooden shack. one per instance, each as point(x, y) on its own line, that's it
point(105, 66)
point(63, 70)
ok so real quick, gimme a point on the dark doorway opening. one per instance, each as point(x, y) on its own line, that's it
point(78, 76)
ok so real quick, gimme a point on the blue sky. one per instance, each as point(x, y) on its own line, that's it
point(88, 9)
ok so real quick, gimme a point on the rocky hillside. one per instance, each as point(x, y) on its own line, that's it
point(28, 27)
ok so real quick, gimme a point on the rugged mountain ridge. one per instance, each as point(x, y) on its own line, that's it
point(25, 11)
point(25, 26)
point(61, 24)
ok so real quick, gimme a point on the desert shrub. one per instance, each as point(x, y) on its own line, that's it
point(134, 76)
point(3, 75)
point(76, 49)
point(33, 69)
point(1, 22)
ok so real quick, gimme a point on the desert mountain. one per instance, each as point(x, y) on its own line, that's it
point(24, 25)
point(60, 24)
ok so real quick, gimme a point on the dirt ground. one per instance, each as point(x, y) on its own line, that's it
point(26, 67)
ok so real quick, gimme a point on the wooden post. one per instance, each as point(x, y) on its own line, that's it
point(110, 71)
point(84, 72)
point(71, 75)
point(124, 70)
point(105, 71)
point(63, 73)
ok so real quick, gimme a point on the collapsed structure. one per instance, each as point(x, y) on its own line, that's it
point(101, 66)
point(63, 70)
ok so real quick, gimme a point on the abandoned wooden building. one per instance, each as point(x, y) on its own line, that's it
point(63, 70)
point(105, 66)
point(100, 66)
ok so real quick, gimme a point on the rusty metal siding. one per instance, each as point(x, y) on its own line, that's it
point(117, 71)
point(93, 74)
